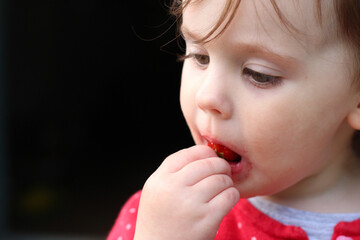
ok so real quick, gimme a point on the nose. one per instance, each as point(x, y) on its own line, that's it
point(213, 98)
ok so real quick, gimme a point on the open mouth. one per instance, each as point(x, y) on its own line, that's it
point(225, 153)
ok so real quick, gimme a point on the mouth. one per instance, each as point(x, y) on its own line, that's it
point(225, 153)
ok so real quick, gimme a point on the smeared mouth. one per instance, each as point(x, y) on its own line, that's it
point(225, 153)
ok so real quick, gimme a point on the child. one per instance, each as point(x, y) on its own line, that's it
point(275, 85)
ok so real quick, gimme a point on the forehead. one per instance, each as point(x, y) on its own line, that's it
point(298, 20)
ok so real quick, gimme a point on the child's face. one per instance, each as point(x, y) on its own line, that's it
point(280, 100)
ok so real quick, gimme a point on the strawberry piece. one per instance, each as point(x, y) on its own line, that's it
point(224, 152)
point(230, 155)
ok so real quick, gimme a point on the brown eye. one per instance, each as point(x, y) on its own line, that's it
point(202, 59)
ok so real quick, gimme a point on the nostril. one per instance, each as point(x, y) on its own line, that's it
point(211, 110)
point(208, 108)
point(219, 112)
point(216, 111)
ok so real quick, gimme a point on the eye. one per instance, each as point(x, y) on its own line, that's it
point(260, 79)
point(201, 59)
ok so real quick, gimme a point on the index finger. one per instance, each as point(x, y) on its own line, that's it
point(180, 159)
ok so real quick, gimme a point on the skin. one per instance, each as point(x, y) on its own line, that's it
point(294, 134)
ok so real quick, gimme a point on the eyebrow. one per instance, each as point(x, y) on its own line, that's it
point(245, 47)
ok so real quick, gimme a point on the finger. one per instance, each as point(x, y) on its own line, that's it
point(222, 203)
point(210, 187)
point(198, 170)
point(180, 159)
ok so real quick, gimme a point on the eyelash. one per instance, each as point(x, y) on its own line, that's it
point(258, 79)
point(196, 57)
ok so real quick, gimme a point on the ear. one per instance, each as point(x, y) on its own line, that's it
point(354, 117)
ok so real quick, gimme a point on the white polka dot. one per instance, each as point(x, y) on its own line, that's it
point(343, 238)
point(128, 226)
point(253, 238)
point(239, 225)
point(132, 210)
point(120, 238)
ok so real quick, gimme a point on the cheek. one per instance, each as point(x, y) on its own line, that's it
point(270, 128)
point(290, 137)
point(187, 98)
point(291, 120)
point(277, 147)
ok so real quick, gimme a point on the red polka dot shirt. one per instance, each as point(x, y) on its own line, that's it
point(243, 222)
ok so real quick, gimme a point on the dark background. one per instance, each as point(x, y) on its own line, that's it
point(90, 108)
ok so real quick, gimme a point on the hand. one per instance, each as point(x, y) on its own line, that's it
point(186, 197)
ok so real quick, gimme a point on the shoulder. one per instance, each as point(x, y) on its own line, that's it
point(124, 227)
